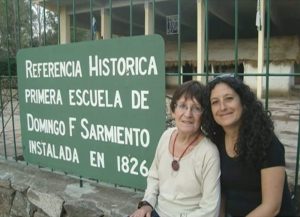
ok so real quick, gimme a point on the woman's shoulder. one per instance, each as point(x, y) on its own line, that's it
point(275, 155)
point(168, 132)
point(165, 137)
point(208, 143)
point(207, 146)
point(206, 153)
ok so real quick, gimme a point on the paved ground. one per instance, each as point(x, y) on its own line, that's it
point(285, 113)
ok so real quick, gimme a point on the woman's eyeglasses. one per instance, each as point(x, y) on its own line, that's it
point(196, 110)
point(223, 75)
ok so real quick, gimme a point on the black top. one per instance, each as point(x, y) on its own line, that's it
point(242, 184)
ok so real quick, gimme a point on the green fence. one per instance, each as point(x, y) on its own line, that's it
point(38, 23)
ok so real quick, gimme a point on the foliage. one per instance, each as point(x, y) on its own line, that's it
point(23, 26)
point(14, 26)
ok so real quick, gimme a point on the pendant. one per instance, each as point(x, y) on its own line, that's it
point(175, 165)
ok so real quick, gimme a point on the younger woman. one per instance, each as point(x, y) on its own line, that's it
point(253, 178)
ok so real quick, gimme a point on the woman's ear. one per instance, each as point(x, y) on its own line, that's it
point(202, 130)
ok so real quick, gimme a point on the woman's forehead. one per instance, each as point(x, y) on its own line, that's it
point(185, 98)
point(222, 90)
point(222, 87)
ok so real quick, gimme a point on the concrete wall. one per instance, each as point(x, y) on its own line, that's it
point(278, 85)
point(28, 191)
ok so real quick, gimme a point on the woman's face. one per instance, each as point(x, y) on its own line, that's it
point(187, 115)
point(226, 106)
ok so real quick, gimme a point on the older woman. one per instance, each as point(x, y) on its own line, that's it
point(252, 158)
point(184, 176)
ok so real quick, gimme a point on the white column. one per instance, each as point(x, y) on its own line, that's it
point(260, 54)
point(64, 26)
point(200, 38)
point(105, 25)
point(148, 18)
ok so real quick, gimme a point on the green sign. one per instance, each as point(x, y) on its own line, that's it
point(94, 109)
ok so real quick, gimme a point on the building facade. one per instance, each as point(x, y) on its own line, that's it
point(202, 37)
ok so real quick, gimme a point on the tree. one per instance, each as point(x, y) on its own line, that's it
point(26, 24)
point(23, 26)
point(14, 25)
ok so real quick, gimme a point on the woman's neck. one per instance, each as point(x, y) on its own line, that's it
point(186, 138)
point(231, 138)
point(231, 132)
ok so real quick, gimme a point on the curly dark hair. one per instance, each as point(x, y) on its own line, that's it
point(257, 129)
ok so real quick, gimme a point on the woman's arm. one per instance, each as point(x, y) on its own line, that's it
point(272, 182)
point(150, 194)
point(209, 204)
point(144, 211)
point(223, 206)
point(152, 189)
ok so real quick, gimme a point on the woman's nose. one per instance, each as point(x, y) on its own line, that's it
point(222, 105)
point(188, 111)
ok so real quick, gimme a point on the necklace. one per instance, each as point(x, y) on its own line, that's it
point(175, 163)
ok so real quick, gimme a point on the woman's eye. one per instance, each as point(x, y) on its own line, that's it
point(182, 106)
point(197, 109)
point(228, 98)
